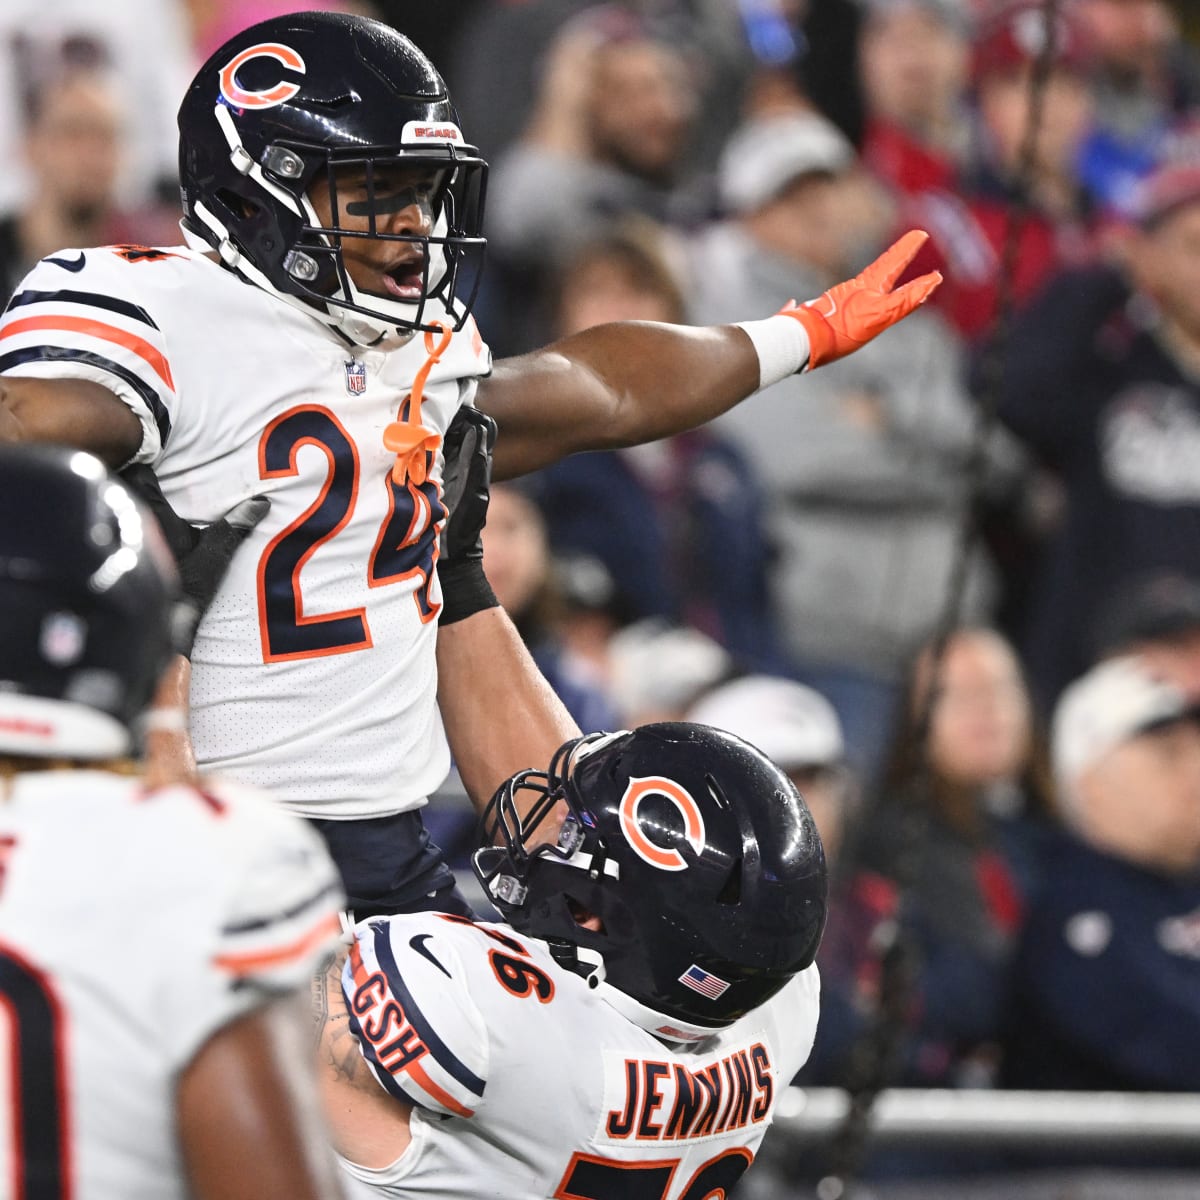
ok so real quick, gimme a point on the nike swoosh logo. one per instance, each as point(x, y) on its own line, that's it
point(68, 264)
point(418, 944)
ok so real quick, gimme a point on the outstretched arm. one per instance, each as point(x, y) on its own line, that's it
point(633, 382)
point(614, 385)
point(500, 714)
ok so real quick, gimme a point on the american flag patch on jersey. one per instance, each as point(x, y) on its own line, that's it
point(704, 982)
point(356, 377)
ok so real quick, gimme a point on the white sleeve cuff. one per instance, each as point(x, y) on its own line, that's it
point(782, 345)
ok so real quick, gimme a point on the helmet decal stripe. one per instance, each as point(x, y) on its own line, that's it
point(239, 97)
point(693, 821)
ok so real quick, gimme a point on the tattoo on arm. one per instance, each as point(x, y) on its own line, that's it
point(337, 1047)
point(320, 999)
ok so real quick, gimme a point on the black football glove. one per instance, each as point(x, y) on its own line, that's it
point(202, 552)
point(466, 484)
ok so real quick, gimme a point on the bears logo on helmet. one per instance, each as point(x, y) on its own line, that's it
point(240, 97)
point(681, 952)
point(665, 858)
point(256, 144)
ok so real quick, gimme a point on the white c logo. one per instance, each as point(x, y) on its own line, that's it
point(240, 98)
point(693, 821)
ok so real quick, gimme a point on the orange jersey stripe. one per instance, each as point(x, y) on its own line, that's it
point(97, 329)
point(243, 964)
point(358, 968)
point(417, 1073)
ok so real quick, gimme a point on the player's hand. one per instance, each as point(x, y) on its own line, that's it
point(202, 552)
point(466, 489)
point(466, 483)
point(852, 313)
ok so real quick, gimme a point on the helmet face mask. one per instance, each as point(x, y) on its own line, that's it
point(674, 867)
point(349, 210)
point(274, 126)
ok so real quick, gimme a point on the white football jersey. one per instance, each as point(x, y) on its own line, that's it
point(527, 1084)
point(133, 925)
point(314, 673)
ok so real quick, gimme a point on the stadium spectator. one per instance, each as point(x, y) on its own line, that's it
point(594, 610)
point(606, 140)
point(1146, 84)
point(657, 670)
point(75, 139)
point(145, 44)
point(1156, 618)
point(496, 63)
point(971, 222)
point(679, 523)
point(952, 850)
point(1100, 383)
point(913, 62)
point(799, 731)
point(865, 474)
point(1107, 981)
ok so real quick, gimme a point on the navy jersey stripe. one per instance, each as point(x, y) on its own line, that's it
point(16, 358)
point(90, 299)
point(444, 1057)
point(387, 1080)
point(330, 889)
point(37, 1089)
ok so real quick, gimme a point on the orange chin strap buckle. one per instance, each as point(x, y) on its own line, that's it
point(409, 440)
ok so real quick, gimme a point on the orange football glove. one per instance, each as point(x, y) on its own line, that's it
point(850, 314)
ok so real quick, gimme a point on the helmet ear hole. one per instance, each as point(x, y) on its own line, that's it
point(584, 917)
point(284, 102)
point(241, 205)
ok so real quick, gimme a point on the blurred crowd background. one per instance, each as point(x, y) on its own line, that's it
point(951, 583)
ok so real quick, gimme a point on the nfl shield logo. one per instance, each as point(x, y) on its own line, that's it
point(356, 377)
point(62, 638)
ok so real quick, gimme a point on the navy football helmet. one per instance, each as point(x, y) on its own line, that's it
point(87, 595)
point(697, 855)
point(285, 108)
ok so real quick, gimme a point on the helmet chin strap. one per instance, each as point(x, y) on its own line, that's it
point(356, 328)
point(382, 331)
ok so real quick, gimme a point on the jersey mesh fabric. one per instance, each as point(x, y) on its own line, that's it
point(552, 1075)
point(150, 920)
point(313, 673)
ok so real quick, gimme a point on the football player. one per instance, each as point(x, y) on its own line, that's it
point(156, 944)
point(313, 341)
point(628, 1032)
